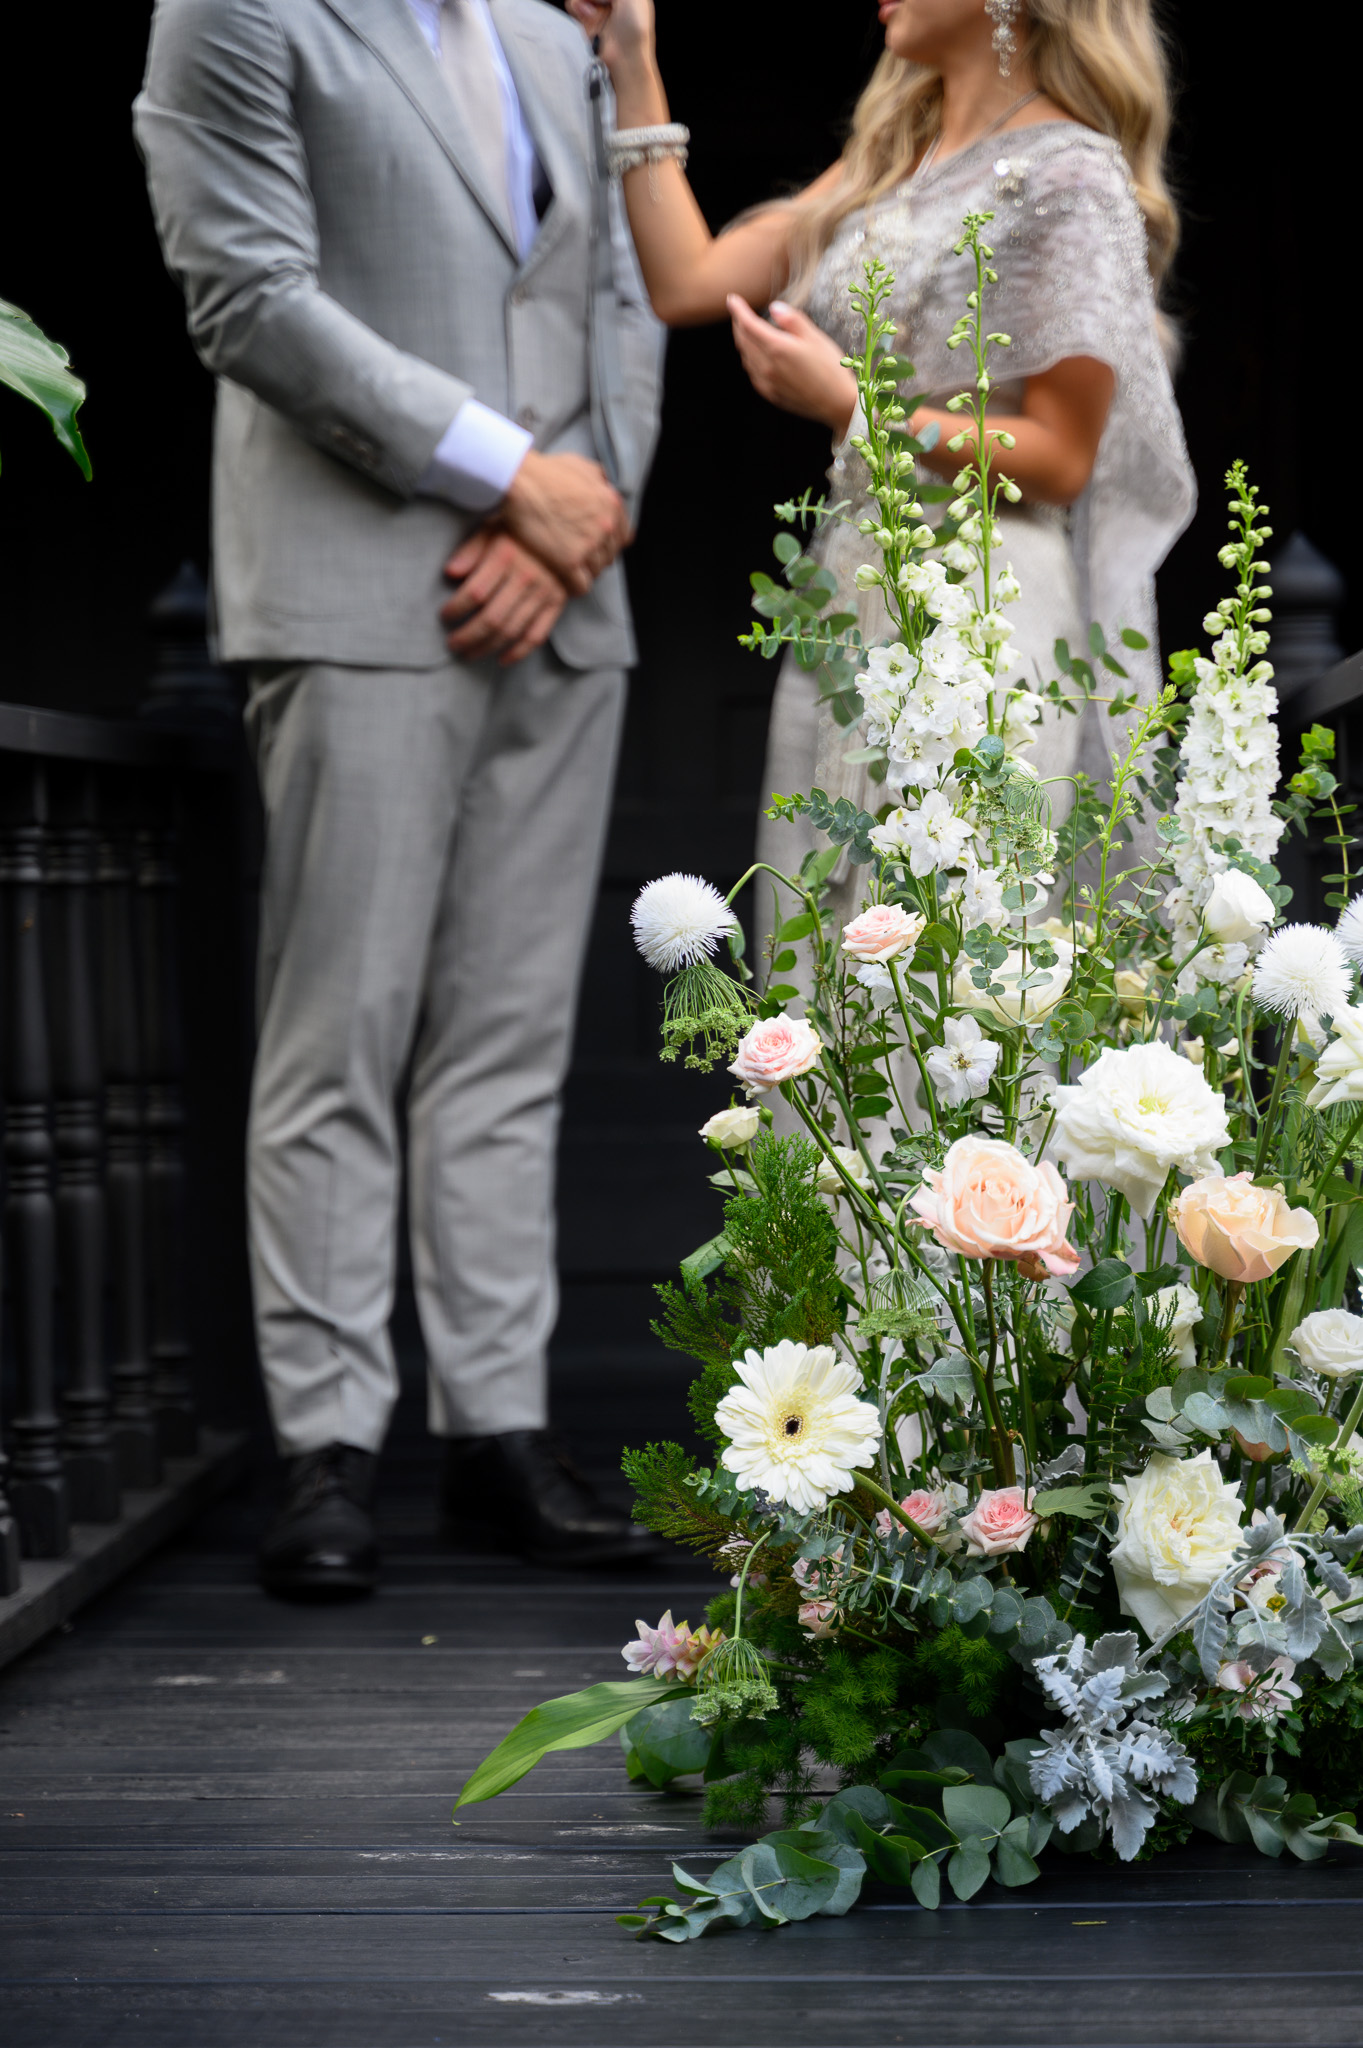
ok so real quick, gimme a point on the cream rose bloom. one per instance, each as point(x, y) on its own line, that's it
point(1187, 1314)
point(882, 933)
point(1237, 910)
point(1330, 1342)
point(732, 1127)
point(1134, 1115)
point(829, 1181)
point(776, 1049)
point(987, 1202)
point(1339, 1070)
point(1242, 1232)
point(1178, 1525)
point(1016, 1005)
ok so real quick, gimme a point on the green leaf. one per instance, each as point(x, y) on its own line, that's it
point(976, 1809)
point(797, 928)
point(1131, 638)
point(573, 1721)
point(891, 1858)
point(666, 1742)
point(948, 1747)
point(927, 1885)
point(849, 1862)
point(38, 369)
point(968, 1868)
point(1106, 1285)
point(1090, 1503)
point(705, 1259)
point(1013, 1865)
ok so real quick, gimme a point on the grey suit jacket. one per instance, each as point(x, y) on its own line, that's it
point(351, 283)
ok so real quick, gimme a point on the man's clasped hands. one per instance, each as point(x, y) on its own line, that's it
point(560, 524)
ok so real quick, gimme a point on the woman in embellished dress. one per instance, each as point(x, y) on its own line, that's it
point(1051, 115)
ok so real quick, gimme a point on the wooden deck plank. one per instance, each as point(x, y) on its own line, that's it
point(227, 1822)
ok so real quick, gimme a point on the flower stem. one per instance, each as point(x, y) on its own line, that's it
point(742, 1582)
point(1318, 1491)
point(1234, 1289)
point(1266, 1122)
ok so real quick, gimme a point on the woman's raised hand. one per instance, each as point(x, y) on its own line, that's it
point(625, 29)
point(794, 364)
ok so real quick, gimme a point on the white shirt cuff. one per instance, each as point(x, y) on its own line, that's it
point(476, 459)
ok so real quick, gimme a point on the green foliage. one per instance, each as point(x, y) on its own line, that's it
point(850, 1704)
point(951, 1661)
point(39, 370)
point(664, 1502)
point(780, 1277)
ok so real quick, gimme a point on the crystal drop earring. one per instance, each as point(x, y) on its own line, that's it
point(1003, 13)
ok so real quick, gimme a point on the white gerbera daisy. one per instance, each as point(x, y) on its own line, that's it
point(795, 1426)
point(1301, 972)
point(1349, 931)
point(678, 920)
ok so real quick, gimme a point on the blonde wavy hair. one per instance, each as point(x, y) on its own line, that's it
point(1101, 60)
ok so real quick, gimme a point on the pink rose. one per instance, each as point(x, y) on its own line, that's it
point(988, 1202)
point(1001, 1520)
point(929, 1508)
point(819, 1617)
point(775, 1050)
point(882, 932)
point(1242, 1232)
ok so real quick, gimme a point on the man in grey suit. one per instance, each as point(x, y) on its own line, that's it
point(396, 251)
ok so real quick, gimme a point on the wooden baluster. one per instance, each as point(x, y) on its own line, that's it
point(88, 1449)
point(9, 1537)
point(37, 1483)
point(163, 1065)
point(134, 1423)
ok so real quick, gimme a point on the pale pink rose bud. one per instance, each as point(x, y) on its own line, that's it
point(928, 1507)
point(819, 1617)
point(1242, 1232)
point(987, 1202)
point(777, 1049)
point(882, 932)
point(1001, 1520)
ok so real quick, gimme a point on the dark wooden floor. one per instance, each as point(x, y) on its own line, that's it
point(223, 1821)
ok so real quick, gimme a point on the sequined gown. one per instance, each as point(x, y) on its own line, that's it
point(1069, 249)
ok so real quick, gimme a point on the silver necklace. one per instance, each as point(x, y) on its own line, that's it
point(930, 152)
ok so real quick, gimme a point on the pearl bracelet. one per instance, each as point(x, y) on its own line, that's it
point(628, 148)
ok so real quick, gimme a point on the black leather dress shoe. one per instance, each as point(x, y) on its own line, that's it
point(518, 1492)
point(321, 1545)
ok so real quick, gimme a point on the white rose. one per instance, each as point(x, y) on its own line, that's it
point(830, 1182)
point(732, 1127)
point(1339, 1070)
point(1026, 1005)
point(1237, 909)
point(1187, 1314)
point(1178, 1525)
point(1135, 1114)
point(1330, 1342)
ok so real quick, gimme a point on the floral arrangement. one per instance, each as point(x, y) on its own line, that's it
point(1028, 1355)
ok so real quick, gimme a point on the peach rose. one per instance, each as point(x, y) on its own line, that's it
point(1001, 1520)
point(1242, 1232)
point(775, 1050)
point(988, 1202)
point(819, 1617)
point(882, 932)
point(928, 1507)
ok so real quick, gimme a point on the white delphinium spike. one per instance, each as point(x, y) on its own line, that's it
point(1349, 931)
point(678, 920)
point(1302, 972)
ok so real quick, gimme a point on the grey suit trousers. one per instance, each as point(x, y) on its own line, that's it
point(434, 842)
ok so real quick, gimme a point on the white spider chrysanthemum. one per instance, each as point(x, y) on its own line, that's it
point(678, 920)
point(795, 1426)
point(1302, 972)
point(1349, 931)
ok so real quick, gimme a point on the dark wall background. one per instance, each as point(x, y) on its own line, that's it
point(1261, 291)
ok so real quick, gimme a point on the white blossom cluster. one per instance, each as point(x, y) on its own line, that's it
point(921, 705)
point(1230, 770)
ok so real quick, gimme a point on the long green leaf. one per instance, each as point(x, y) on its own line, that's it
point(38, 369)
point(573, 1721)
